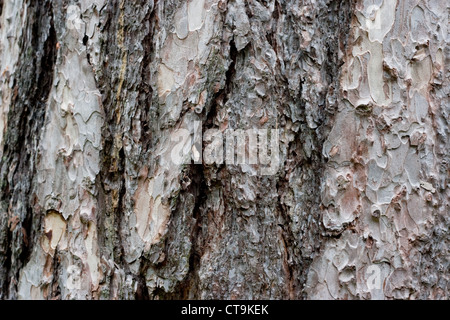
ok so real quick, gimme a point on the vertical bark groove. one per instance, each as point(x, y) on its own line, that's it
point(32, 87)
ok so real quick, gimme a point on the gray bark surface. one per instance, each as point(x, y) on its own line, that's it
point(94, 93)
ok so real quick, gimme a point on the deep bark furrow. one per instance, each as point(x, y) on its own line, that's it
point(32, 85)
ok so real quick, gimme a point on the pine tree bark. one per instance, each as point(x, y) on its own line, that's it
point(93, 96)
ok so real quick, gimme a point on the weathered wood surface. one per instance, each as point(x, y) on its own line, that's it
point(93, 96)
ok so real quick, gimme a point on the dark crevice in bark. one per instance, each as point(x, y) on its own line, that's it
point(119, 249)
point(145, 88)
point(229, 75)
point(142, 290)
point(85, 43)
point(334, 25)
point(32, 85)
point(199, 190)
point(111, 176)
point(222, 96)
point(111, 199)
point(44, 85)
point(271, 35)
point(112, 190)
point(55, 289)
point(27, 229)
point(148, 112)
point(198, 173)
point(292, 267)
point(7, 257)
point(189, 287)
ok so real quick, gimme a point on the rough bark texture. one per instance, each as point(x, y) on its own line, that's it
point(94, 92)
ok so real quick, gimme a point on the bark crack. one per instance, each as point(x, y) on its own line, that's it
point(33, 84)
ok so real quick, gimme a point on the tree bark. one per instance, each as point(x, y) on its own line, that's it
point(96, 95)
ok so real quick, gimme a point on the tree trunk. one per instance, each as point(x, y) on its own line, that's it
point(120, 178)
